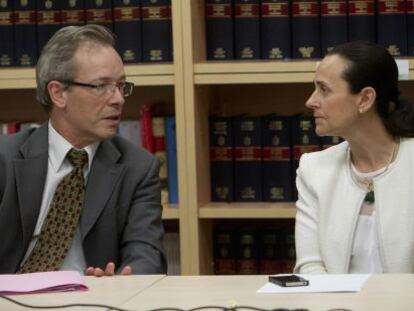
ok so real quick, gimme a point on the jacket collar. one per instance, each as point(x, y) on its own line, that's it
point(31, 172)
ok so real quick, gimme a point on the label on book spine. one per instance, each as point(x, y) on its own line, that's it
point(248, 159)
point(156, 30)
point(333, 24)
point(219, 29)
point(269, 251)
point(99, 12)
point(305, 29)
point(275, 29)
point(392, 26)
point(73, 12)
point(25, 39)
point(304, 140)
point(221, 159)
point(6, 34)
point(48, 21)
point(247, 253)
point(361, 20)
point(127, 28)
point(224, 251)
point(277, 172)
point(247, 29)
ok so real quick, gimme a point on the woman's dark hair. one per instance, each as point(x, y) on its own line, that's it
point(372, 65)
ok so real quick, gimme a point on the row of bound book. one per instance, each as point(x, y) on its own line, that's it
point(283, 29)
point(14, 127)
point(156, 134)
point(255, 158)
point(142, 27)
point(250, 250)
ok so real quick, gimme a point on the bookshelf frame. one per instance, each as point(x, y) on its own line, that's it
point(194, 88)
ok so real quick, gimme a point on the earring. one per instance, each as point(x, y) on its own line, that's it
point(361, 110)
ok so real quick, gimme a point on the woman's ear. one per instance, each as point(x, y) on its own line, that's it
point(367, 99)
point(57, 93)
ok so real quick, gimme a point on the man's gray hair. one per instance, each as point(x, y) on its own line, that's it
point(56, 62)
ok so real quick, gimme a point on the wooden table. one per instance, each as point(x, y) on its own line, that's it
point(380, 293)
point(392, 292)
point(105, 290)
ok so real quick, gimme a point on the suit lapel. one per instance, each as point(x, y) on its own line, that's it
point(103, 176)
point(30, 173)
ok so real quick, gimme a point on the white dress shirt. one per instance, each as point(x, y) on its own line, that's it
point(58, 168)
point(365, 255)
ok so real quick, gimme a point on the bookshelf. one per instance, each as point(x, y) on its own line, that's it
point(232, 88)
point(193, 89)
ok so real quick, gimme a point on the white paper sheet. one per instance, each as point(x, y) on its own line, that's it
point(321, 283)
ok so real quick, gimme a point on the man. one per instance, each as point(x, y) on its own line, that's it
point(73, 196)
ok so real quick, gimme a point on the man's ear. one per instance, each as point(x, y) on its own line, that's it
point(367, 99)
point(57, 93)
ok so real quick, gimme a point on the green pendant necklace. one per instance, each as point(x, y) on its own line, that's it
point(370, 196)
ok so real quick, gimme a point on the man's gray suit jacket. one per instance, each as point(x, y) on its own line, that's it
point(121, 218)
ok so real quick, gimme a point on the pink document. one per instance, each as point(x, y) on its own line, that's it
point(41, 282)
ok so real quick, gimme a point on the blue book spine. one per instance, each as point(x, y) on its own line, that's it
point(392, 26)
point(304, 140)
point(247, 29)
point(221, 159)
point(25, 37)
point(6, 34)
point(334, 26)
point(127, 28)
point(48, 21)
point(248, 159)
point(219, 29)
point(410, 27)
point(156, 31)
point(361, 20)
point(275, 29)
point(73, 12)
point(171, 149)
point(99, 12)
point(277, 171)
point(305, 29)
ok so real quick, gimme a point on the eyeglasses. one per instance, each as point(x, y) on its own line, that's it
point(106, 88)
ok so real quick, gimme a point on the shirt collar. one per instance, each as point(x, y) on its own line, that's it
point(59, 147)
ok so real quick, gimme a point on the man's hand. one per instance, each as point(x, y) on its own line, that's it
point(109, 270)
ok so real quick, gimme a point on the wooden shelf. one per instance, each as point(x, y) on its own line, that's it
point(150, 74)
point(170, 211)
point(264, 71)
point(17, 78)
point(254, 210)
point(141, 75)
point(254, 72)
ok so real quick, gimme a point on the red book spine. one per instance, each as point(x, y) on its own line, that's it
point(12, 127)
point(147, 137)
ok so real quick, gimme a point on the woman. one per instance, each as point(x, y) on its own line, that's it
point(356, 199)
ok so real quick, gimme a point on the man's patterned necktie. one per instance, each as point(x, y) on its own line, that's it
point(62, 219)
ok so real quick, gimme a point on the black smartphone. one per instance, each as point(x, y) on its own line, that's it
point(290, 280)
